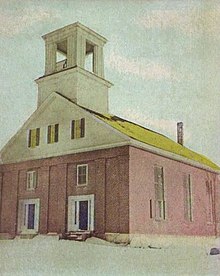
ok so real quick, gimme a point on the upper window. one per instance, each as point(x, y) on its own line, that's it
point(188, 197)
point(31, 180)
point(52, 133)
point(34, 138)
point(78, 128)
point(82, 174)
point(61, 55)
point(159, 192)
point(89, 57)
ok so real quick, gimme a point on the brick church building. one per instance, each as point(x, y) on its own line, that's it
point(73, 166)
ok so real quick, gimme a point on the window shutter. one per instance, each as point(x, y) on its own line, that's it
point(25, 214)
point(73, 129)
point(49, 134)
point(158, 178)
point(37, 136)
point(56, 134)
point(34, 179)
point(33, 138)
point(151, 209)
point(28, 180)
point(159, 192)
point(82, 128)
point(156, 174)
point(164, 210)
point(185, 187)
point(190, 198)
point(29, 138)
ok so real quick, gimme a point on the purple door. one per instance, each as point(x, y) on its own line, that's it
point(31, 216)
point(83, 215)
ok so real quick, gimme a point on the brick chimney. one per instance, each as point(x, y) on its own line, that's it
point(180, 133)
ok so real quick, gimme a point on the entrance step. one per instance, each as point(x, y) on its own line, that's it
point(76, 235)
point(27, 236)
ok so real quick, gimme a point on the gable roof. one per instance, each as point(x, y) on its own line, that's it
point(150, 137)
point(153, 138)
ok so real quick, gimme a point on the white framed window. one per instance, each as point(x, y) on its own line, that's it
point(78, 128)
point(33, 137)
point(188, 204)
point(52, 133)
point(82, 174)
point(31, 180)
point(210, 201)
point(159, 193)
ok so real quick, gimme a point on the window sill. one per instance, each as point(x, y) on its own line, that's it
point(160, 220)
point(81, 185)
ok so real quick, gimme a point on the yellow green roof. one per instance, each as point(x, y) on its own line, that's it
point(154, 139)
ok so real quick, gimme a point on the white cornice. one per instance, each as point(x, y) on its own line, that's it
point(73, 27)
point(57, 154)
point(74, 70)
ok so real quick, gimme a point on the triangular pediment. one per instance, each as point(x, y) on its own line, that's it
point(58, 110)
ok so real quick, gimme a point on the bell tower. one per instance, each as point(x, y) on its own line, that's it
point(74, 67)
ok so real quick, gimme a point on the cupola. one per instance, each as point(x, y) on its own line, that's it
point(74, 67)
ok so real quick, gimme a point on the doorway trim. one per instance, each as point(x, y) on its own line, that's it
point(22, 216)
point(73, 212)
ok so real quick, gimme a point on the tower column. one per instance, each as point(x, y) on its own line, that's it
point(99, 61)
point(50, 58)
point(71, 51)
point(80, 50)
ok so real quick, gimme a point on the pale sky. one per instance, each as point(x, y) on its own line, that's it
point(163, 58)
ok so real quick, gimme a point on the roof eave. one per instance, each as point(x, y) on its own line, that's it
point(171, 155)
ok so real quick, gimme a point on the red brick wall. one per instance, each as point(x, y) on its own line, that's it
point(57, 199)
point(117, 208)
point(217, 204)
point(57, 181)
point(121, 194)
point(9, 202)
point(141, 188)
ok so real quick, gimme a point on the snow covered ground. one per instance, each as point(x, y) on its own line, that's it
point(49, 256)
